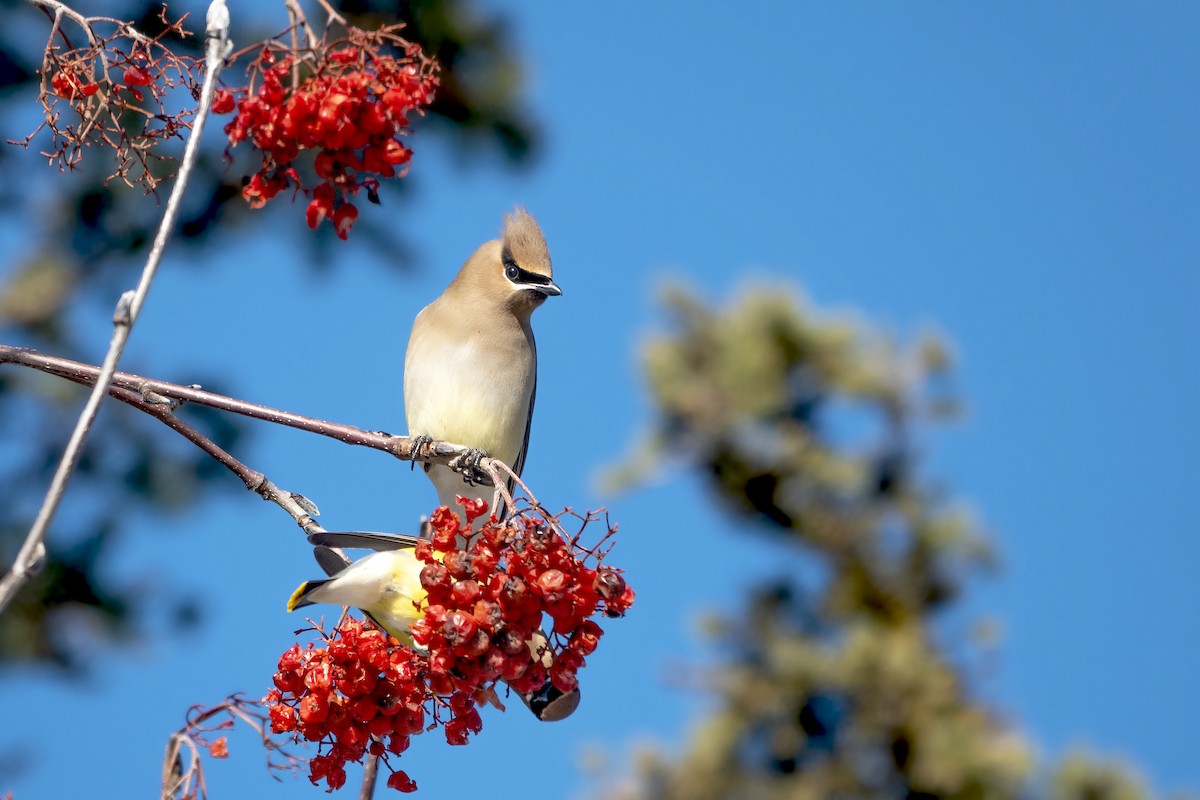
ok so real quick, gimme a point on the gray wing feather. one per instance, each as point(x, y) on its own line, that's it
point(518, 466)
point(363, 540)
point(329, 560)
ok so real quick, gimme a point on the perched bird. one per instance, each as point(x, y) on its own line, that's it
point(386, 585)
point(470, 373)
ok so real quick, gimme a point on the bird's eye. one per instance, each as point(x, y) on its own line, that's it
point(511, 272)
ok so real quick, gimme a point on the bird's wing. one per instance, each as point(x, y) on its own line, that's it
point(363, 540)
point(329, 560)
point(519, 464)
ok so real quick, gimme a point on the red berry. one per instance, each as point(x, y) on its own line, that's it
point(515, 666)
point(343, 219)
point(289, 681)
point(291, 658)
point(435, 576)
point(514, 591)
point(562, 675)
point(396, 153)
point(609, 584)
point(446, 525)
point(458, 563)
point(64, 84)
point(465, 592)
point(219, 748)
point(476, 645)
point(314, 708)
point(137, 76)
point(485, 559)
point(459, 628)
point(401, 782)
point(317, 211)
point(488, 614)
point(552, 582)
point(222, 101)
point(283, 719)
point(456, 732)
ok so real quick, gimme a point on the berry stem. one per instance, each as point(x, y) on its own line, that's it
point(370, 777)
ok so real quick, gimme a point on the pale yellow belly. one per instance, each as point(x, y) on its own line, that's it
point(462, 395)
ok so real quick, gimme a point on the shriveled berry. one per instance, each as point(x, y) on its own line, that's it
point(222, 102)
point(137, 76)
point(400, 781)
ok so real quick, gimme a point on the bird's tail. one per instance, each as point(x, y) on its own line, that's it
point(299, 598)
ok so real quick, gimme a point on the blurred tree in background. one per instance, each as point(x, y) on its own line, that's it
point(83, 240)
point(837, 682)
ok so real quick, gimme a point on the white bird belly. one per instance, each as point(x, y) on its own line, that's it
point(462, 395)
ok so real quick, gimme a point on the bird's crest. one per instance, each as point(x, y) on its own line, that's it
point(524, 244)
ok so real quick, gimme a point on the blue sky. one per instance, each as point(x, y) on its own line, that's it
point(1021, 177)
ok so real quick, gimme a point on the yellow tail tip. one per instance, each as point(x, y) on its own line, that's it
point(296, 600)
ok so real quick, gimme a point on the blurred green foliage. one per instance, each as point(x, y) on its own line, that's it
point(836, 682)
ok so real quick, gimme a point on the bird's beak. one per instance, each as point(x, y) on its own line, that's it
point(549, 289)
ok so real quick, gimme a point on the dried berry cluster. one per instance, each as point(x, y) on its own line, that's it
point(116, 92)
point(483, 616)
point(348, 102)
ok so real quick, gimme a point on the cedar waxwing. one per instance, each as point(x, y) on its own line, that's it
point(386, 585)
point(470, 373)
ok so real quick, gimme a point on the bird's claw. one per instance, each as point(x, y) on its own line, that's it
point(419, 443)
point(467, 464)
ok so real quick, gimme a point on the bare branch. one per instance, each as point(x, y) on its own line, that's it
point(370, 777)
point(300, 508)
point(160, 399)
point(399, 446)
point(299, 20)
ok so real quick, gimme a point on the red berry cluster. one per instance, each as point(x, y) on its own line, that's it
point(366, 692)
point(359, 691)
point(486, 603)
point(351, 106)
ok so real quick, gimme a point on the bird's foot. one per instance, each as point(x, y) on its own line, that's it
point(419, 443)
point(466, 463)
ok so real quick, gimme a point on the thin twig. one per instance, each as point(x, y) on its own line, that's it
point(32, 553)
point(334, 16)
point(370, 777)
point(298, 19)
point(184, 778)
